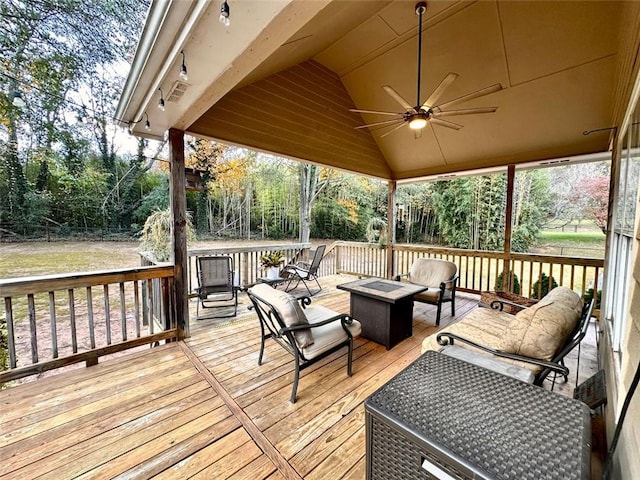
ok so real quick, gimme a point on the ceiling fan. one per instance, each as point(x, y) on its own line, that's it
point(430, 111)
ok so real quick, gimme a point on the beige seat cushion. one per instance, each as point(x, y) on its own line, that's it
point(431, 272)
point(541, 330)
point(482, 325)
point(289, 310)
point(326, 336)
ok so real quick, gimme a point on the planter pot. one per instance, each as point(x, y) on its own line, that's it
point(272, 273)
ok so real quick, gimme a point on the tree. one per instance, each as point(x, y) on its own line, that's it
point(48, 50)
point(592, 193)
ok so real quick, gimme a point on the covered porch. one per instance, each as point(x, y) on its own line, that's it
point(203, 408)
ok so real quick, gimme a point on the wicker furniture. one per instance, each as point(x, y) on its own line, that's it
point(439, 277)
point(308, 334)
point(384, 308)
point(448, 417)
point(507, 302)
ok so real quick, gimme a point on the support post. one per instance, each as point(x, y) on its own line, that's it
point(391, 226)
point(508, 221)
point(179, 229)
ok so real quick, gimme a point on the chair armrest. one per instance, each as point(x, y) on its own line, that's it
point(343, 317)
point(499, 305)
point(446, 338)
point(304, 301)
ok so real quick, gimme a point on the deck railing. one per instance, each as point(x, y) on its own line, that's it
point(57, 320)
point(246, 259)
point(478, 270)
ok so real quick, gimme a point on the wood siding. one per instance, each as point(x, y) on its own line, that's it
point(301, 112)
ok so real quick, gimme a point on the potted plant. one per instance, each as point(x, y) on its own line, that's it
point(271, 262)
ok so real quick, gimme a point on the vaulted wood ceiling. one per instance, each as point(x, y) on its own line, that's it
point(558, 62)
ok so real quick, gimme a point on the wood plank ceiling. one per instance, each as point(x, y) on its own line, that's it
point(556, 62)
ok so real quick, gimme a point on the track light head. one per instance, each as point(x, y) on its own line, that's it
point(224, 14)
point(183, 68)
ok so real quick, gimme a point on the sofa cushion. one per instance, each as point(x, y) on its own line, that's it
point(327, 336)
point(289, 310)
point(431, 272)
point(482, 325)
point(541, 330)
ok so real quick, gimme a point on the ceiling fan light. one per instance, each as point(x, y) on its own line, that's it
point(417, 123)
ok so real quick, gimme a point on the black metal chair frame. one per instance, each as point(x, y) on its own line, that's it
point(303, 271)
point(555, 365)
point(447, 293)
point(272, 326)
point(225, 292)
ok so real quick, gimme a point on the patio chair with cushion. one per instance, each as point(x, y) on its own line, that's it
point(215, 285)
point(440, 276)
point(304, 271)
point(307, 333)
point(537, 338)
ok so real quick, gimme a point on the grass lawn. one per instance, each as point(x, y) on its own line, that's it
point(585, 243)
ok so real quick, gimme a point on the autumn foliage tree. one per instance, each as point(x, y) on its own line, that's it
point(592, 195)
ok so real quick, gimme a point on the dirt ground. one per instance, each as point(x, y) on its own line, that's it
point(43, 258)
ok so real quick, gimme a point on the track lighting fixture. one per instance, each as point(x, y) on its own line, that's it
point(224, 14)
point(18, 101)
point(161, 101)
point(183, 68)
point(147, 125)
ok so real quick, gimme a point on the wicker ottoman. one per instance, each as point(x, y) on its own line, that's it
point(445, 418)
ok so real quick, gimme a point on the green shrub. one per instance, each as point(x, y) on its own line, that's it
point(515, 283)
point(541, 287)
point(588, 295)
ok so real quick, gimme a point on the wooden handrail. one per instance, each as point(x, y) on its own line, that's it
point(119, 310)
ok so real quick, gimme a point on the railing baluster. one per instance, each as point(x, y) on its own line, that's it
point(151, 306)
point(52, 322)
point(136, 307)
point(33, 328)
point(107, 313)
point(123, 312)
point(92, 333)
point(72, 321)
point(11, 339)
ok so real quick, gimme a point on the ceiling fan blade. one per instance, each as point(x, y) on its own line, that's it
point(437, 93)
point(392, 130)
point(469, 96)
point(396, 96)
point(375, 112)
point(445, 123)
point(386, 122)
point(465, 111)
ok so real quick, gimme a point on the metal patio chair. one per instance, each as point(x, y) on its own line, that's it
point(304, 272)
point(215, 285)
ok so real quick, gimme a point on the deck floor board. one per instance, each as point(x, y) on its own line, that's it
point(204, 408)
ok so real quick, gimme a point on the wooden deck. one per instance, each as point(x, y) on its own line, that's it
point(204, 408)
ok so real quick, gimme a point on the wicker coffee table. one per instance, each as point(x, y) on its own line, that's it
point(448, 419)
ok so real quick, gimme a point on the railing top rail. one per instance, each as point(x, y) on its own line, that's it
point(191, 252)
point(47, 283)
point(533, 257)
